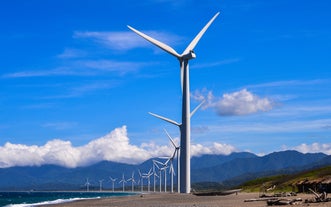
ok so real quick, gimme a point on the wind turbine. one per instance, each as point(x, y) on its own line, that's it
point(171, 170)
point(164, 169)
point(113, 181)
point(156, 163)
point(141, 181)
point(123, 181)
point(87, 185)
point(185, 126)
point(154, 174)
point(100, 185)
point(172, 173)
point(148, 175)
point(132, 181)
point(178, 161)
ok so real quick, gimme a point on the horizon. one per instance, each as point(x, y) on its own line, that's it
point(77, 84)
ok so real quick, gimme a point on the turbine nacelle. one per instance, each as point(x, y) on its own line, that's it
point(188, 56)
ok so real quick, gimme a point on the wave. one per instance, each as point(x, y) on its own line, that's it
point(57, 201)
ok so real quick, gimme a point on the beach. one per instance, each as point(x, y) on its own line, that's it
point(184, 200)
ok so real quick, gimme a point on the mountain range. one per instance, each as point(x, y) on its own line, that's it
point(229, 170)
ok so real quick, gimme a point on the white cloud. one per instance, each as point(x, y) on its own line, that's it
point(216, 148)
point(82, 68)
point(215, 64)
point(314, 148)
point(71, 53)
point(114, 146)
point(237, 103)
point(60, 125)
point(127, 40)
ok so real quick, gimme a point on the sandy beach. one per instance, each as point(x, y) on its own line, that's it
point(184, 200)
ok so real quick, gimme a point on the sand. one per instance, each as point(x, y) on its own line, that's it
point(183, 200)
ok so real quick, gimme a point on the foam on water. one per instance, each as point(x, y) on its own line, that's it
point(29, 199)
point(58, 201)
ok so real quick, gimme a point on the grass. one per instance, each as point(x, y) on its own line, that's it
point(284, 183)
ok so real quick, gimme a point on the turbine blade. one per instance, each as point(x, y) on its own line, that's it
point(174, 154)
point(197, 38)
point(196, 108)
point(159, 44)
point(158, 162)
point(149, 172)
point(165, 119)
point(171, 140)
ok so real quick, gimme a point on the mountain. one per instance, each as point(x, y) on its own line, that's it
point(285, 162)
point(205, 161)
point(229, 169)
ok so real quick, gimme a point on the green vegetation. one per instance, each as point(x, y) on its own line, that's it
point(284, 183)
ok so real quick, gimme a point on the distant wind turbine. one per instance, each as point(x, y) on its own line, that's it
point(148, 175)
point(156, 163)
point(154, 175)
point(113, 181)
point(100, 185)
point(185, 126)
point(87, 184)
point(132, 181)
point(123, 181)
point(141, 181)
point(164, 169)
point(178, 161)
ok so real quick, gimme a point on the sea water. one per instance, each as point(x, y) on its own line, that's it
point(34, 198)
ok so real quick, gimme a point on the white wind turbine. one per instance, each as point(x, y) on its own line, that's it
point(113, 182)
point(178, 161)
point(154, 174)
point(123, 181)
point(87, 184)
point(148, 175)
point(157, 163)
point(100, 185)
point(141, 181)
point(132, 181)
point(172, 173)
point(164, 169)
point(185, 126)
point(171, 170)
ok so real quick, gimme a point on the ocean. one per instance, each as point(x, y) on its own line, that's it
point(35, 198)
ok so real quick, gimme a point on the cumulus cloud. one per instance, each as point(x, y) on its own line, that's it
point(237, 103)
point(314, 148)
point(115, 146)
point(215, 148)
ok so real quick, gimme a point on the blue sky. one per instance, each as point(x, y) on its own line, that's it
point(75, 78)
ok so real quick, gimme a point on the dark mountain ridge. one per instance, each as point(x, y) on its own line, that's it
point(229, 169)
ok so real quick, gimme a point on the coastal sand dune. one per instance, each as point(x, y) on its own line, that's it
point(182, 200)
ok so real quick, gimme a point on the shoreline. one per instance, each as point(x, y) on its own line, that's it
point(182, 200)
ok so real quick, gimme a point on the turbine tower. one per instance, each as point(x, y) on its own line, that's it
point(100, 185)
point(113, 182)
point(178, 161)
point(87, 184)
point(185, 126)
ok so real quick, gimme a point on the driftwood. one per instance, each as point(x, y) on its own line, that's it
point(323, 197)
point(281, 202)
point(276, 200)
point(259, 199)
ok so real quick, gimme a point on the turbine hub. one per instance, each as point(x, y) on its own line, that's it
point(189, 56)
